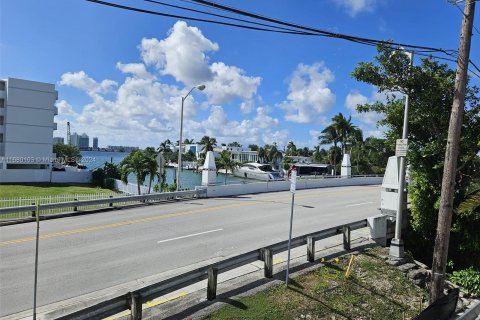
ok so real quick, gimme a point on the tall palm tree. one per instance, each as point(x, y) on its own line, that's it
point(208, 144)
point(134, 163)
point(330, 136)
point(151, 165)
point(262, 154)
point(164, 146)
point(345, 129)
point(226, 162)
point(291, 149)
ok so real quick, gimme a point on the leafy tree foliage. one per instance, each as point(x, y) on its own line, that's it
point(68, 154)
point(430, 86)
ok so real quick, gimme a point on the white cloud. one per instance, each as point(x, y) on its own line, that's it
point(82, 81)
point(309, 96)
point(354, 7)
point(64, 108)
point(136, 69)
point(181, 54)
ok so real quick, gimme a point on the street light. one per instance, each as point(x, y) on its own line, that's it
point(201, 88)
point(396, 246)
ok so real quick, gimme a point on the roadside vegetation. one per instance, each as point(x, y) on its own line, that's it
point(373, 290)
point(430, 86)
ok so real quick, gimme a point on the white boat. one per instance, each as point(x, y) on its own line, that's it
point(258, 171)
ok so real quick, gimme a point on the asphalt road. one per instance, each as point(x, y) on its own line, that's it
point(82, 254)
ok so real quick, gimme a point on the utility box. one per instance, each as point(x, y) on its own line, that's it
point(389, 193)
point(378, 229)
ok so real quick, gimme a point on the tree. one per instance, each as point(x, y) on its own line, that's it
point(291, 149)
point(226, 162)
point(135, 164)
point(188, 141)
point(235, 144)
point(253, 147)
point(430, 86)
point(208, 144)
point(151, 165)
point(165, 146)
point(330, 136)
point(67, 154)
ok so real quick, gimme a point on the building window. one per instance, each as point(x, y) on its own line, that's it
point(2, 103)
point(1, 137)
point(2, 85)
point(1, 120)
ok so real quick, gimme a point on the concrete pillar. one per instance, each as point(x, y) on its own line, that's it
point(212, 283)
point(209, 172)
point(268, 262)
point(135, 304)
point(346, 171)
point(346, 238)
point(310, 249)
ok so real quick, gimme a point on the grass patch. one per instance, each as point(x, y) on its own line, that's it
point(47, 189)
point(374, 290)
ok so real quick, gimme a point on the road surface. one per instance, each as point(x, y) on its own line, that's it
point(82, 254)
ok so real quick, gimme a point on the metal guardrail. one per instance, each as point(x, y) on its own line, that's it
point(133, 300)
point(106, 201)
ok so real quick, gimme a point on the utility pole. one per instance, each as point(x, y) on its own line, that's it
point(440, 253)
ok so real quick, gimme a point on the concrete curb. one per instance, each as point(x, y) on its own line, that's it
point(471, 313)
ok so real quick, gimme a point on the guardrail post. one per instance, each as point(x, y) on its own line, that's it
point(75, 208)
point(33, 211)
point(268, 262)
point(346, 237)
point(135, 304)
point(310, 249)
point(111, 203)
point(212, 283)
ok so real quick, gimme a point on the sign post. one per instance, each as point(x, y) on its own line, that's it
point(293, 184)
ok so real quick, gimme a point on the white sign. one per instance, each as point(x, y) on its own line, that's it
point(401, 147)
point(293, 181)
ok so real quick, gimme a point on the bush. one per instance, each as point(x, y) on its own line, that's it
point(97, 177)
point(469, 279)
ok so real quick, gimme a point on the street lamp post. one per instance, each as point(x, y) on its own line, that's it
point(201, 88)
point(396, 246)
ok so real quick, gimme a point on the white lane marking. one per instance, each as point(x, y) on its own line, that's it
point(190, 235)
point(358, 204)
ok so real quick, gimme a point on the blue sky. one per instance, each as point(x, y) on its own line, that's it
point(121, 75)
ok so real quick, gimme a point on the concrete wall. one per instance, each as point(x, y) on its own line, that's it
point(260, 187)
point(24, 175)
point(130, 188)
point(76, 177)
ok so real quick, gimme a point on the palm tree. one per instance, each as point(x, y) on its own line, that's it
point(330, 136)
point(188, 141)
point(164, 146)
point(291, 149)
point(151, 165)
point(134, 163)
point(345, 129)
point(262, 153)
point(226, 162)
point(208, 144)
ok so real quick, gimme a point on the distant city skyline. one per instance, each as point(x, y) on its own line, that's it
point(260, 87)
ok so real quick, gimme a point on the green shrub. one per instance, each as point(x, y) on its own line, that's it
point(469, 279)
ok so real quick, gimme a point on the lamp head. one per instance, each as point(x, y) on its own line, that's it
point(201, 87)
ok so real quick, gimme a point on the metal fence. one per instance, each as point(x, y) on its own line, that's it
point(24, 207)
point(116, 303)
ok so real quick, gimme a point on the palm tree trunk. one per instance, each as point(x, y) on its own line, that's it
point(138, 187)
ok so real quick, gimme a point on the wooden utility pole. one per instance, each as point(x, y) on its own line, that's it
point(440, 253)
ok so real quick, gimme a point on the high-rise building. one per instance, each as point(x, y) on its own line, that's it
point(58, 140)
point(27, 110)
point(83, 142)
point(95, 143)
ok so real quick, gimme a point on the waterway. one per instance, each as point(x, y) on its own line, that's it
point(189, 178)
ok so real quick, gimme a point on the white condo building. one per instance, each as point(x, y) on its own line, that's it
point(27, 110)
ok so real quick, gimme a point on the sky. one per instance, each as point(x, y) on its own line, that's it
point(121, 75)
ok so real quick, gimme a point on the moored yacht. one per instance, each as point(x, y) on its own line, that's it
point(258, 171)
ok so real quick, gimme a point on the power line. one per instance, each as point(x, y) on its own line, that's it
point(455, 3)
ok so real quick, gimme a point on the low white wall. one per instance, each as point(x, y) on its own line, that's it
point(130, 188)
point(238, 189)
point(24, 175)
point(72, 176)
